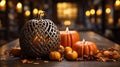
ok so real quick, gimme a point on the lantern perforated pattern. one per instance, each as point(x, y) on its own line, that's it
point(39, 37)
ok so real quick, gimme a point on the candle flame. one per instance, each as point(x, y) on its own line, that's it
point(83, 41)
point(67, 29)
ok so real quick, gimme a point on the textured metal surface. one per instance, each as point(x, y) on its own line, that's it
point(39, 37)
point(91, 36)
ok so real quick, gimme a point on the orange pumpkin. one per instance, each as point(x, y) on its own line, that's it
point(55, 55)
point(67, 49)
point(68, 38)
point(85, 48)
point(61, 49)
point(72, 55)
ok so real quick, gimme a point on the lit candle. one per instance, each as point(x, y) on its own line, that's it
point(85, 48)
point(68, 38)
point(19, 7)
point(83, 41)
point(2, 5)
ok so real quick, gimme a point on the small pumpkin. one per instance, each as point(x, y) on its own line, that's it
point(107, 53)
point(116, 55)
point(72, 55)
point(61, 49)
point(55, 55)
point(67, 49)
point(68, 38)
point(85, 48)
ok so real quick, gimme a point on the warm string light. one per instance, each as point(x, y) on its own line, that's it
point(99, 12)
point(92, 11)
point(117, 3)
point(35, 11)
point(87, 13)
point(108, 10)
point(27, 13)
point(19, 7)
point(2, 5)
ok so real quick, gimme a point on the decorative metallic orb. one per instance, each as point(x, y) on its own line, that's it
point(39, 37)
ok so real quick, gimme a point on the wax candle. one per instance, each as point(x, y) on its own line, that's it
point(68, 38)
point(85, 48)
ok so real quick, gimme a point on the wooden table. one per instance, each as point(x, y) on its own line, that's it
point(91, 36)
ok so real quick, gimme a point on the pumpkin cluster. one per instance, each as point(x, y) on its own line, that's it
point(80, 49)
point(70, 54)
point(72, 39)
point(62, 52)
point(110, 54)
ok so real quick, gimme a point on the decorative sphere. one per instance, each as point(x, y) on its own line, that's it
point(39, 37)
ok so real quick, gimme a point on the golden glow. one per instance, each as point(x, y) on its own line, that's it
point(2, 3)
point(117, 2)
point(110, 20)
point(118, 24)
point(19, 7)
point(119, 20)
point(0, 24)
point(41, 12)
point(108, 10)
point(66, 10)
point(27, 13)
point(92, 11)
point(99, 12)
point(87, 13)
point(67, 22)
point(35, 11)
point(92, 20)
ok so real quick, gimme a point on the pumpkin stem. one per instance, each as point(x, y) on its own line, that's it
point(40, 14)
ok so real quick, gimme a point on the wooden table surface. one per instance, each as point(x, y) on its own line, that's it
point(91, 36)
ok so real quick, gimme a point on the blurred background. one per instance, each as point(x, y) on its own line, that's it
point(100, 16)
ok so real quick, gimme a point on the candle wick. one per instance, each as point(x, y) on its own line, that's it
point(83, 41)
point(67, 29)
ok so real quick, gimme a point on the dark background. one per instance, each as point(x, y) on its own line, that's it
point(105, 24)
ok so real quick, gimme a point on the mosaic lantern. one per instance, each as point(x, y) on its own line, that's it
point(39, 37)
